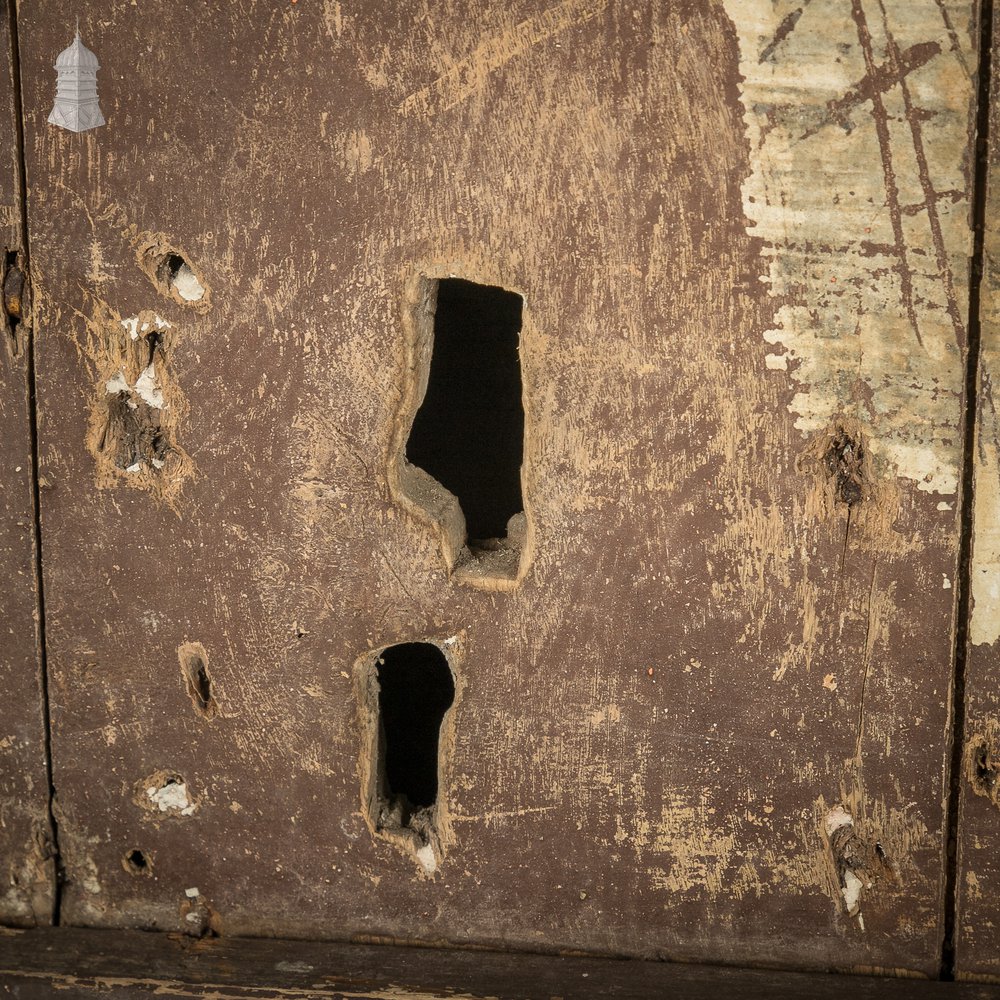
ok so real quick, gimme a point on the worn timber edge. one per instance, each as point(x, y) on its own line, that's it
point(70, 962)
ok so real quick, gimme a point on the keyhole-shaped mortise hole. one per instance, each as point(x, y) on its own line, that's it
point(416, 688)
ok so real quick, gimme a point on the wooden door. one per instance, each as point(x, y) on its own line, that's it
point(692, 699)
point(27, 872)
point(977, 765)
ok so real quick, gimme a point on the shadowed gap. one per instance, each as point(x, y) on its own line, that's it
point(416, 688)
point(469, 431)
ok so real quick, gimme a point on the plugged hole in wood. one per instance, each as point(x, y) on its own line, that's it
point(407, 691)
point(460, 462)
point(137, 862)
point(194, 667)
point(172, 273)
point(175, 273)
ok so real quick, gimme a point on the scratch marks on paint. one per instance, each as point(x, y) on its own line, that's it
point(469, 74)
point(858, 188)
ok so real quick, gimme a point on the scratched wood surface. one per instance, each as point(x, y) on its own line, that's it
point(72, 963)
point(712, 720)
point(978, 877)
point(26, 870)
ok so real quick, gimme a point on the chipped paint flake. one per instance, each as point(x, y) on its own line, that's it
point(857, 115)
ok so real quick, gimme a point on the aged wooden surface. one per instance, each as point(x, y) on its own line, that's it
point(711, 721)
point(26, 868)
point(73, 963)
point(978, 877)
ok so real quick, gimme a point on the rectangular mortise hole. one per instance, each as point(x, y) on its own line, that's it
point(415, 690)
point(469, 430)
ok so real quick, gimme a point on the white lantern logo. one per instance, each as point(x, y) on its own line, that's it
point(76, 106)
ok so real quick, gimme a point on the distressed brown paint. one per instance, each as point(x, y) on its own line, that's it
point(26, 868)
point(709, 651)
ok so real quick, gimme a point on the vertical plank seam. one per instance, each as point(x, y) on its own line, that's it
point(40, 638)
point(963, 598)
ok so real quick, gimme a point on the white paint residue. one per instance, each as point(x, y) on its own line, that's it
point(837, 817)
point(946, 583)
point(187, 285)
point(293, 967)
point(132, 326)
point(117, 384)
point(147, 390)
point(426, 858)
point(871, 274)
point(852, 892)
point(776, 362)
point(191, 893)
point(172, 797)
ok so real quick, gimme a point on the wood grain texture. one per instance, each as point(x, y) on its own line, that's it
point(26, 868)
point(978, 876)
point(712, 720)
point(78, 964)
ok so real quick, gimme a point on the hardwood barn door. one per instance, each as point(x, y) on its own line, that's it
point(978, 763)
point(27, 870)
point(505, 467)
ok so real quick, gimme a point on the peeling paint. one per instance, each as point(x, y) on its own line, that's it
point(858, 189)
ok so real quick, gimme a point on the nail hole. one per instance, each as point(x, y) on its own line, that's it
point(175, 272)
point(137, 862)
point(981, 764)
point(194, 667)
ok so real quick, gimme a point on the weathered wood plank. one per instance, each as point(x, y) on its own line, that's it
point(26, 868)
point(706, 717)
point(978, 877)
point(73, 963)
